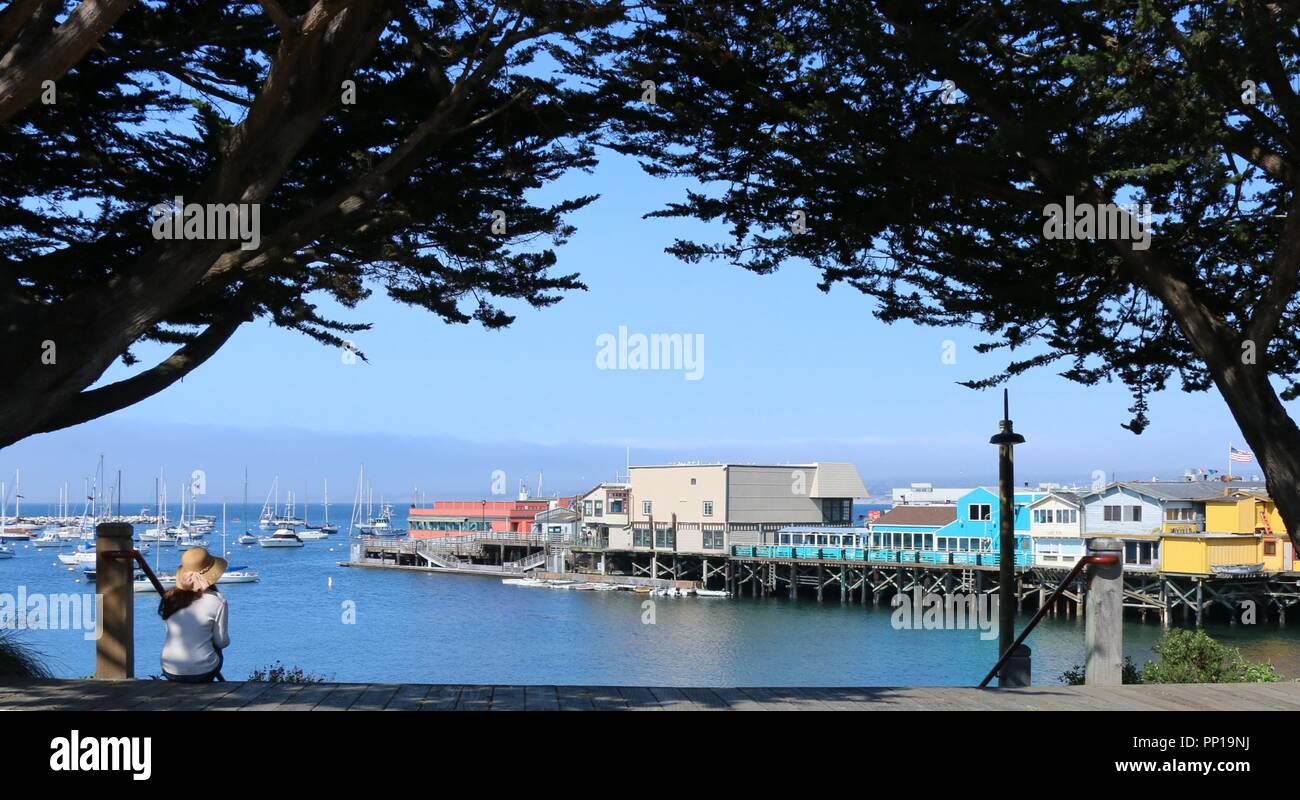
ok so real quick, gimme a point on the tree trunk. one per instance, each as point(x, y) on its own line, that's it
point(1272, 435)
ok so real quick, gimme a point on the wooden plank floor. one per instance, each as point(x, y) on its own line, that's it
point(84, 695)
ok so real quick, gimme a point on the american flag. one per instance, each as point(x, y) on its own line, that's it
point(1239, 455)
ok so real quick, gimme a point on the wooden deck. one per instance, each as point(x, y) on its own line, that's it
point(149, 695)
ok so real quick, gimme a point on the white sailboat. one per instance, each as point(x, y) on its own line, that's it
point(327, 527)
point(247, 536)
point(158, 533)
point(268, 512)
point(240, 574)
point(5, 552)
point(17, 530)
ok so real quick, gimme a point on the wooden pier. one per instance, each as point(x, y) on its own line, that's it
point(132, 695)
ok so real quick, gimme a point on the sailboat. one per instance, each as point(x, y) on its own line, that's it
point(158, 533)
point(240, 574)
point(267, 515)
point(327, 527)
point(17, 530)
point(5, 552)
point(247, 536)
point(140, 581)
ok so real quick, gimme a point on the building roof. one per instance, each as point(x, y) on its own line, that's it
point(1184, 490)
point(1065, 497)
point(918, 515)
point(836, 479)
point(557, 515)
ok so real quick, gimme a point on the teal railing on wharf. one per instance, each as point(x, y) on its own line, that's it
point(874, 556)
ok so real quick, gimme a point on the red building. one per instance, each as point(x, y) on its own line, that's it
point(455, 517)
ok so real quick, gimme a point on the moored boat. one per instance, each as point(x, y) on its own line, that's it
point(283, 537)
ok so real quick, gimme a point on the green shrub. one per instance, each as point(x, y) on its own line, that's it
point(1194, 657)
point(18, 660)
point(1128, 671)
point(1189, 657)
point(279, 673)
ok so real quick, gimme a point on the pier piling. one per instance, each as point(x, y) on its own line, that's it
point(115, 648)
point(1104, 622)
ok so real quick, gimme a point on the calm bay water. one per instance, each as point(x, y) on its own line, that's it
point(424, 627)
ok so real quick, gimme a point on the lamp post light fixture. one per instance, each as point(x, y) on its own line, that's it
point(1006, 439)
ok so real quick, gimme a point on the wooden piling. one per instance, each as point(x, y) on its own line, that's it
point(114, 587)
point(1104, 624)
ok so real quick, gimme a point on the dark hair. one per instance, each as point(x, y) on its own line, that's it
point(176, 598)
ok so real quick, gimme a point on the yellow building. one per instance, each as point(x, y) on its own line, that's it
point(1242, 529)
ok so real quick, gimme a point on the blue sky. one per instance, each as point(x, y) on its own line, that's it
point(789, 374)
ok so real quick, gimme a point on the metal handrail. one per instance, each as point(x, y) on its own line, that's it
point(1042, 610)
point(139, 559)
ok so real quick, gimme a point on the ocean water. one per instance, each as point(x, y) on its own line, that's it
point(350, 624)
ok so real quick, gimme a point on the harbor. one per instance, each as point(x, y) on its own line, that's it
point(554, 589)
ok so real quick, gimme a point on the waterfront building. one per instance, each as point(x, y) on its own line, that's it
point(1242, 533)
point(701, 508)
point(975, 531)
point(1056, 528)
point(682, 518)
point(558, 524)
point(925, 494)
point(603, 508)
point(458, 517)
point(1141, 513)
point(908, 527)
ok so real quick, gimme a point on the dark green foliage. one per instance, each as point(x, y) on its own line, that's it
point(18, 659)
point(1189, 657)
point(279, 673)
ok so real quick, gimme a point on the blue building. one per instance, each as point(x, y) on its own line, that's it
point(974, 533)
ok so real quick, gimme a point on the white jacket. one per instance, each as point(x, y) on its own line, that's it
point(195, 634)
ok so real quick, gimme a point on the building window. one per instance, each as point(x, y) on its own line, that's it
point(1270, 548)
point(713, 540)
point(615, 506)
point(600, 508)
point(692, 481)
point(708, 508)
point(664, 538)
point(640, 537)
point(1110, 513)
point(980, 512)
point(586, 507)
point(647, 507)
point(1132, 513)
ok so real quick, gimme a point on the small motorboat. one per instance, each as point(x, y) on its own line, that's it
point(712, 593)
point(523, 582)
point(141, 582)
point(247, 538)
point(82, 555)
point(312, 534)
point(642, 589)
point(48, 539)
point(283, 537)
point(240, 574)
point(6, 552)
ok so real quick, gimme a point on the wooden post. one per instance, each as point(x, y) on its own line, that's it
point(115, 649)
point(1200, 602)
point(1104, 622)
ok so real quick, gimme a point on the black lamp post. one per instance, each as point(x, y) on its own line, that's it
point(1006, 439)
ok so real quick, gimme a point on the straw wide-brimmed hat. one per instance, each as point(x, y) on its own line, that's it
point(198, 559)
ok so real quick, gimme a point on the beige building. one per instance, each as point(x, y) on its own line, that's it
point(602, 509)
point(703, 508)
